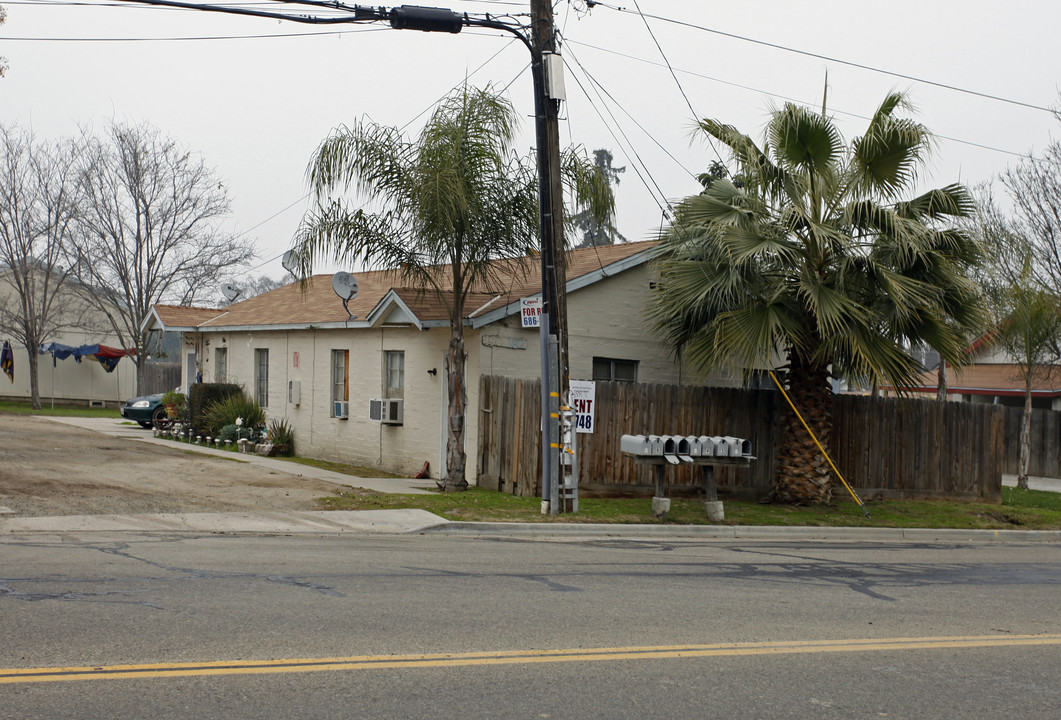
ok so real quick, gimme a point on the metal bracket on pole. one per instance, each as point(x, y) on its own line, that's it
point(553, 433)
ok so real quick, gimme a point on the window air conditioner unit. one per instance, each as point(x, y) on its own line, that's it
point(388, 411)
point(341, 409)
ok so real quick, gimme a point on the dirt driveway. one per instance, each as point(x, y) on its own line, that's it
point(50, 468)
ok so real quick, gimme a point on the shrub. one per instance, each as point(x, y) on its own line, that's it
point(202, 395)
point(282, 436)
point(176, 404)
point(229, 434)
point(228, 410)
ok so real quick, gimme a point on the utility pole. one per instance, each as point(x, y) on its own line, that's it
point(553, 327)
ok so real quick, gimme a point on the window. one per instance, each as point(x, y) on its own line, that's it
point(261, 377)
point(220, 364)
point(605, 369)
point(394, 374)
point(340, 375)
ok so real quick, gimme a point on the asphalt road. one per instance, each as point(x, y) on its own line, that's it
point(388, 626)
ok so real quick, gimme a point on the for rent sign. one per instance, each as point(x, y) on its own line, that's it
point(583, 402)
point(530, 311)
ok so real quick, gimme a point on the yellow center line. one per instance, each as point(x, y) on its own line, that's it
point(510, 657)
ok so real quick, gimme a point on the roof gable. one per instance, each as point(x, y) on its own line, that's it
point(382, 299)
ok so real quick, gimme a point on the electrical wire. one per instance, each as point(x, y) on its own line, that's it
point(780, 96)
point(677, 82)
point(632, 154)
point(819, 56)
point(626, 112)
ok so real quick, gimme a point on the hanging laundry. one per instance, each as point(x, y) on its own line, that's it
point(7, 361)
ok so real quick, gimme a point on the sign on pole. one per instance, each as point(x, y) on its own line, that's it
point(530, 311)
point(583, 402)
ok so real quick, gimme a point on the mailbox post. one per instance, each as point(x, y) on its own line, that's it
point(663, 451)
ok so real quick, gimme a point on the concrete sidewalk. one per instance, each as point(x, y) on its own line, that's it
point(406, 522)
point(121, 428)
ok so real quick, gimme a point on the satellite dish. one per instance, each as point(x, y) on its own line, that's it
point(230, 291)
point(288, 261)
point(345, 286)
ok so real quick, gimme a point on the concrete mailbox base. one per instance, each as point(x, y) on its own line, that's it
point(660, 507)
point(715, 513)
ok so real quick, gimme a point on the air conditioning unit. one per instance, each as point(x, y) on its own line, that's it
point(341, 409)
point(388, 411)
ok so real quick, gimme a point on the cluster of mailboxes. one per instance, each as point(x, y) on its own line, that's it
point(685, 448)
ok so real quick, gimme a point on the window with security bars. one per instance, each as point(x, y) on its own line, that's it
point(220, 364)
point(394, 374)
point(340, 375)
point(261, 377)
point(613, 369)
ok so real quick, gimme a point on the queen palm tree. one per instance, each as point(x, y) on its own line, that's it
point(448, 206)
point(811, 257)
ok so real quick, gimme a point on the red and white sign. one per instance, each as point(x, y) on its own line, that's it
point(530, 311)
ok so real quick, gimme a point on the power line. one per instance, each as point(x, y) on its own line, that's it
point(632, 153)
point(710, 141)
point(779, 96)
point(819, 56)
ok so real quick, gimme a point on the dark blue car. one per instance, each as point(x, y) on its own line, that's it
point(146, 410)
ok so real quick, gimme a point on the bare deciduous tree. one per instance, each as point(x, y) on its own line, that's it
point(3, 60)
point(150, 227)
point(1035, 189)
point(38, 203)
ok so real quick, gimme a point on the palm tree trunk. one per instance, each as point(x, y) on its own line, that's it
point(1025, 436)
point(803, 475)
point(458, 401)
point(941, 381)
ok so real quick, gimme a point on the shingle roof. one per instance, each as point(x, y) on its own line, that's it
point(994, 379)
point(316, 303)
point(173, 316)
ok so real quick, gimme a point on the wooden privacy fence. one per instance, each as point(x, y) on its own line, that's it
point(160, 378)
point(884, 446)
point(1045, 445)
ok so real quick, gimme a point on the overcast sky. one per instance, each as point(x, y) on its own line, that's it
point(256, 96)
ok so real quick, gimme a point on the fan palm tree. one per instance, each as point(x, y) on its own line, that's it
point(812, 258)
point(448, 206)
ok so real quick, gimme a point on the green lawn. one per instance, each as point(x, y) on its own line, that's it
point(21, 407)
point(1020, 509)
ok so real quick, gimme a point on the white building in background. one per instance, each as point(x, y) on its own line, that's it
point(302, 358)
point(68, 381)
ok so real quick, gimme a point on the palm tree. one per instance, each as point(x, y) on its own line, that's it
point(810, 256)
point(450, 204)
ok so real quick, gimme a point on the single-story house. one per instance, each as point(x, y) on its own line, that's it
point(303, 357)
point(994, 378)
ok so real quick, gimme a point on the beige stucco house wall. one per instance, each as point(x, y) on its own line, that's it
point(607, 291)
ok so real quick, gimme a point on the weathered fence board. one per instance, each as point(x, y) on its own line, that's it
point(1045, 460)
point(883, 446)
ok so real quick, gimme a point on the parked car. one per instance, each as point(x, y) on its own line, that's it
point(146, 410)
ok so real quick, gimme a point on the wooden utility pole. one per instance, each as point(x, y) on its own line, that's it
point(545, 67)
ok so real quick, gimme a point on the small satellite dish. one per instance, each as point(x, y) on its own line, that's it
point(230, 291)
point(288, 261)
point(345, 286)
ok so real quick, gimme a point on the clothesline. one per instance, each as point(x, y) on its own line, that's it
point(107, 356)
